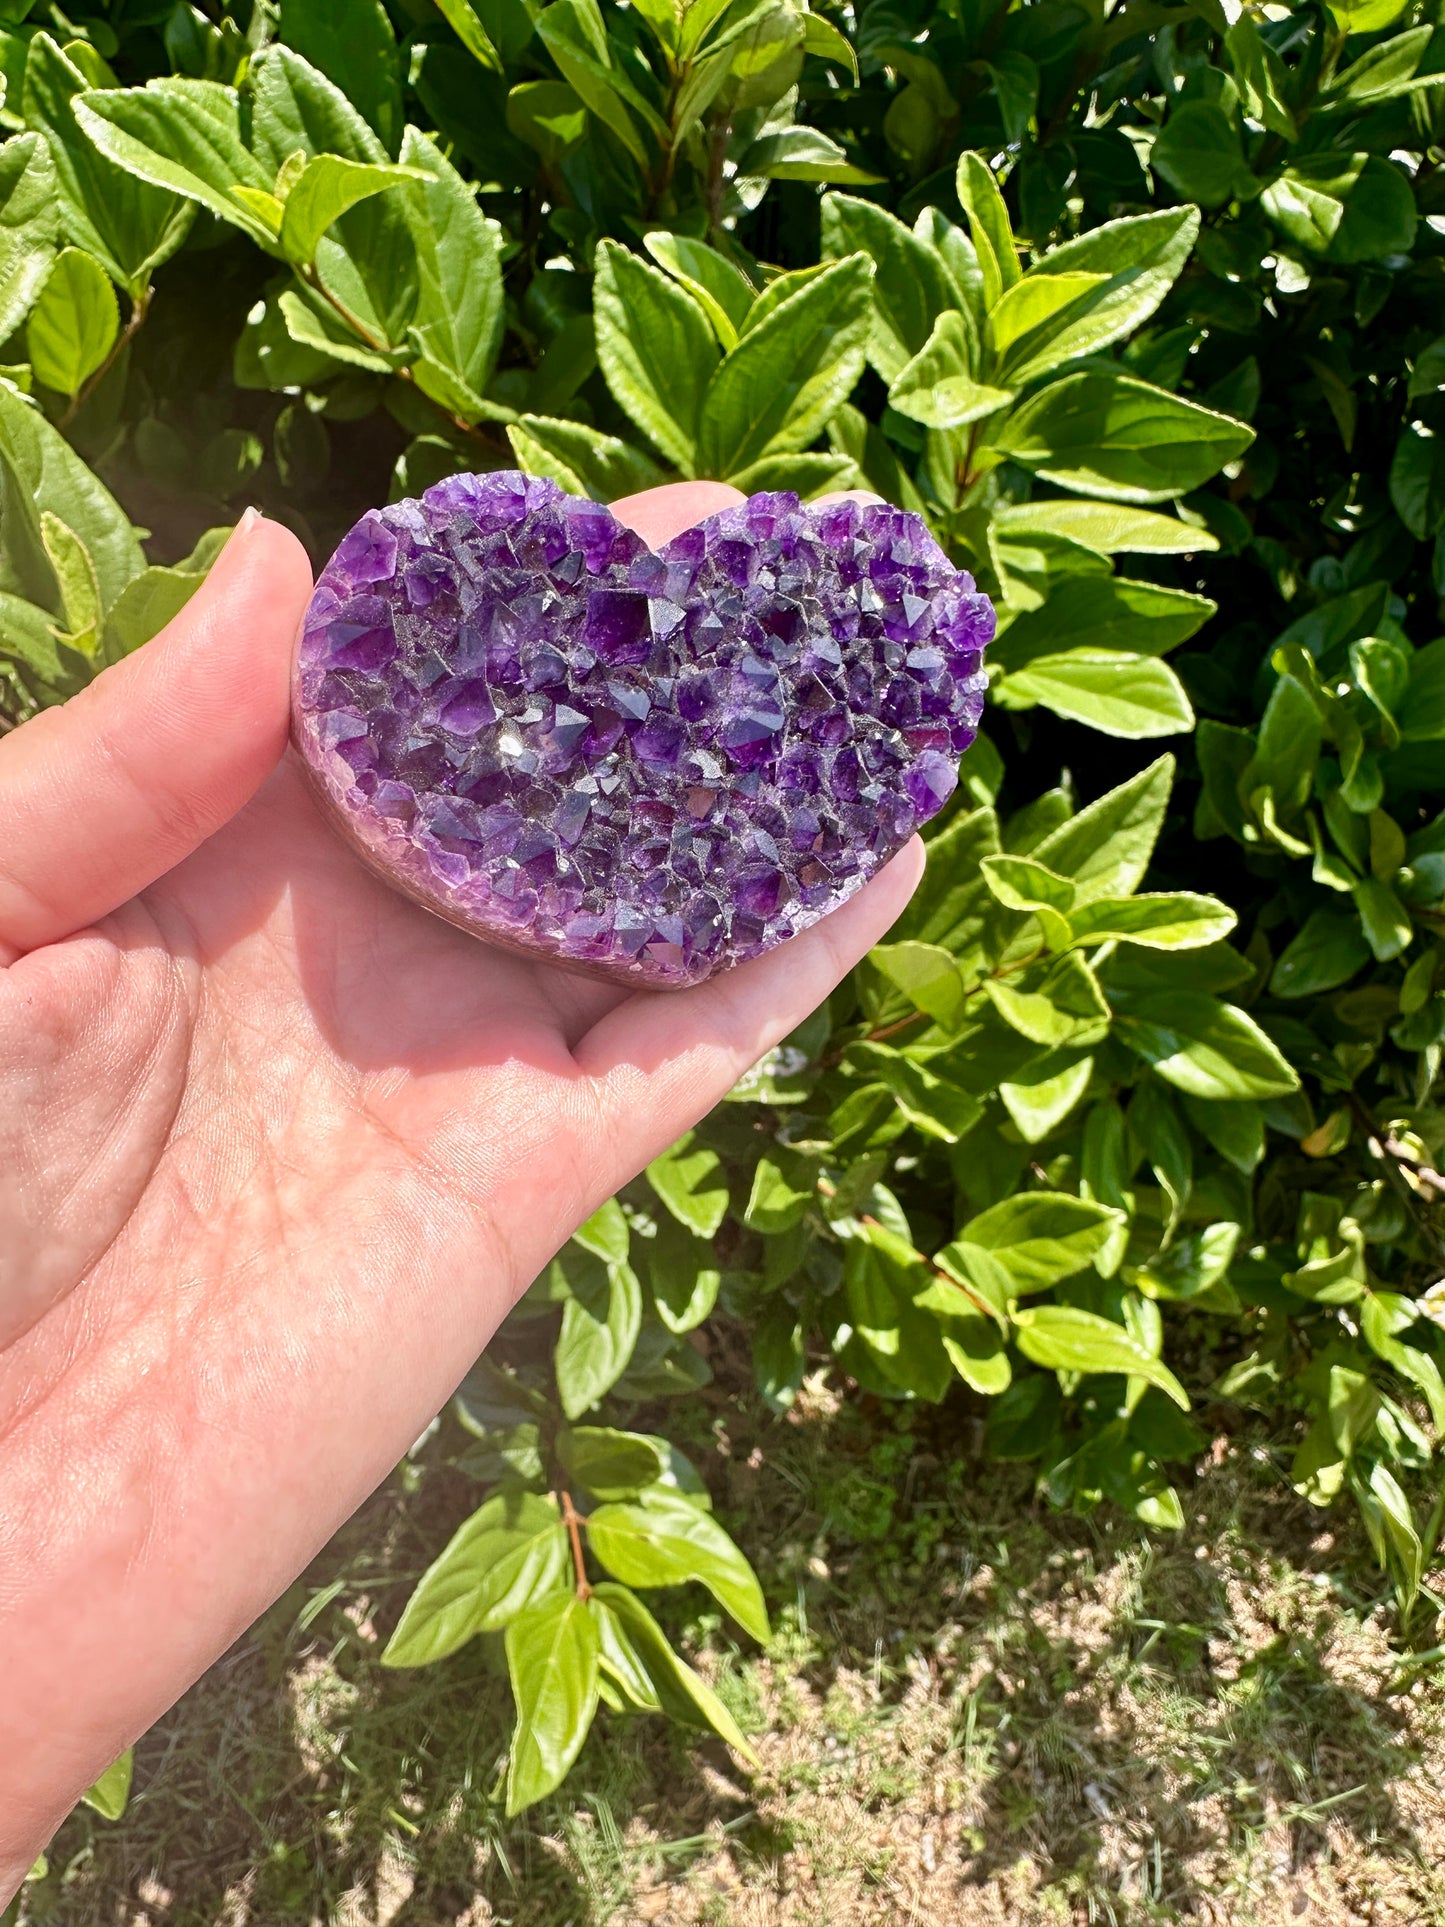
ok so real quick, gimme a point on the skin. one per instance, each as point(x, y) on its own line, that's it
point(278, 1151)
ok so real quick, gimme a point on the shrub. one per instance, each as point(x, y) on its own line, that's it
point(1162, 283)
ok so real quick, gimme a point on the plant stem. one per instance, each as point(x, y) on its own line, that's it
point(139, 308)
point(573, 1520)
point(472, 430)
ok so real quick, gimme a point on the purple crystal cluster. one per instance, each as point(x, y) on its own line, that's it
point(650, 764)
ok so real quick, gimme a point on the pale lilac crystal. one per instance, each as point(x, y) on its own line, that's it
point(650, 764)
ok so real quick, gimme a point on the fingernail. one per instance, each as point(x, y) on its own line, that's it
point(248, 521)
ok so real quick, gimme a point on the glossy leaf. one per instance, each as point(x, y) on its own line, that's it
point(1037, 1237)
point(1066, 1339)
point(661, 1540)
point(29, 226)
point(656, 350)
point(775, 391)
point(1125, 440)
point(510, 1553)
point(552, 1661)
point(911, 288)
point(689, 1180)
point(680, 1691)
point(74, 323)
point(601, 1318)
point(1204, 1047)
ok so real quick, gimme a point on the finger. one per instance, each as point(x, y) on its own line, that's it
point(658, 514)
point(103, 795)
point(664, 1058)
point(863, 495)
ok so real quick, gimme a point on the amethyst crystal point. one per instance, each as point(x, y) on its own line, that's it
point(650, 765)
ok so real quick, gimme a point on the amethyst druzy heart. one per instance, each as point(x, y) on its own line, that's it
point(651, 765)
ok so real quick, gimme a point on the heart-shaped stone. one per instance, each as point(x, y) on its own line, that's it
point(648, 764)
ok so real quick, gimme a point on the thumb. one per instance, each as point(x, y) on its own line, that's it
point(109, 791)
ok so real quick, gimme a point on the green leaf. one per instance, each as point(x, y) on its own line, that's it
point(684, 1276)
point(774, 1204)
point(326, 187)
point(1053, 1003)
point(111, 1793)
point(312, 325)
point(661, 1540)
point(129, 226)
point(29, 226)
point(1120, 694)
point(1036, 1237)
point(656, 350)
point(1417, 480)
point(1190, 1266)
point(1102, 612)
point(1204, 1047)
point(1391, 1524)
point(1387, 924)
point(552, 1657)
point(1383, 72)
point(680, 1691)
point(581, 459)
point(1023, 883)
point(807, 476)
point(1123, 439)
point(989, 225)
point(352, 43)
point(1105, 849)
point(1421, 710)
point(611, 1464)
point(1042, 1094)
point(368, 261)
point(1107, 529)
point(927, 975)
point(1263, 79)
point(1346, 207)
point(45, 668)
point(574, 35)
point(601, 1318)
point(720, 289)
point(690, 1181)
point(76, 579)
point(801, 154)
point(74, 323)
point(821, 37)
point(1066, 1339)
point(911, 287)
point(183, 136)
point(1136, 261)
point(1200, 153)
point(775, 391)
point(932, 1104)
point(937, 388)
point(508, 1555)
point(458, 318)
point(1176, 920)
point(40, 471)
point(605, 1233)
point(461, 17)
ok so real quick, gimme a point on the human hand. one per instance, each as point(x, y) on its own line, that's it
point(278, 1150)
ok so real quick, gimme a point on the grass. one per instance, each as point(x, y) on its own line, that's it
point(973, 1711)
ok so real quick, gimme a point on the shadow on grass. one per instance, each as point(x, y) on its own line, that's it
point(974, 1710)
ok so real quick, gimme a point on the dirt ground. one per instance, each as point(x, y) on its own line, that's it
point(974, 1711)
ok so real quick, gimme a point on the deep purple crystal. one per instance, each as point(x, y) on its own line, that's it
point(649, 764)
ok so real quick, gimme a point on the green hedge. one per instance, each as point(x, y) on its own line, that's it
point(1143, 309)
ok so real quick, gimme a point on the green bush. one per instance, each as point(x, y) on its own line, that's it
point(1164, 282)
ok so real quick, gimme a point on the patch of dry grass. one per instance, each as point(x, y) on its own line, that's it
point(974, 1711)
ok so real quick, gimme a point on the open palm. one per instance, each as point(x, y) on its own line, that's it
point(277, 1152)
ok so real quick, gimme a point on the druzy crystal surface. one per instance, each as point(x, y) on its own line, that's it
point(650, 764)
